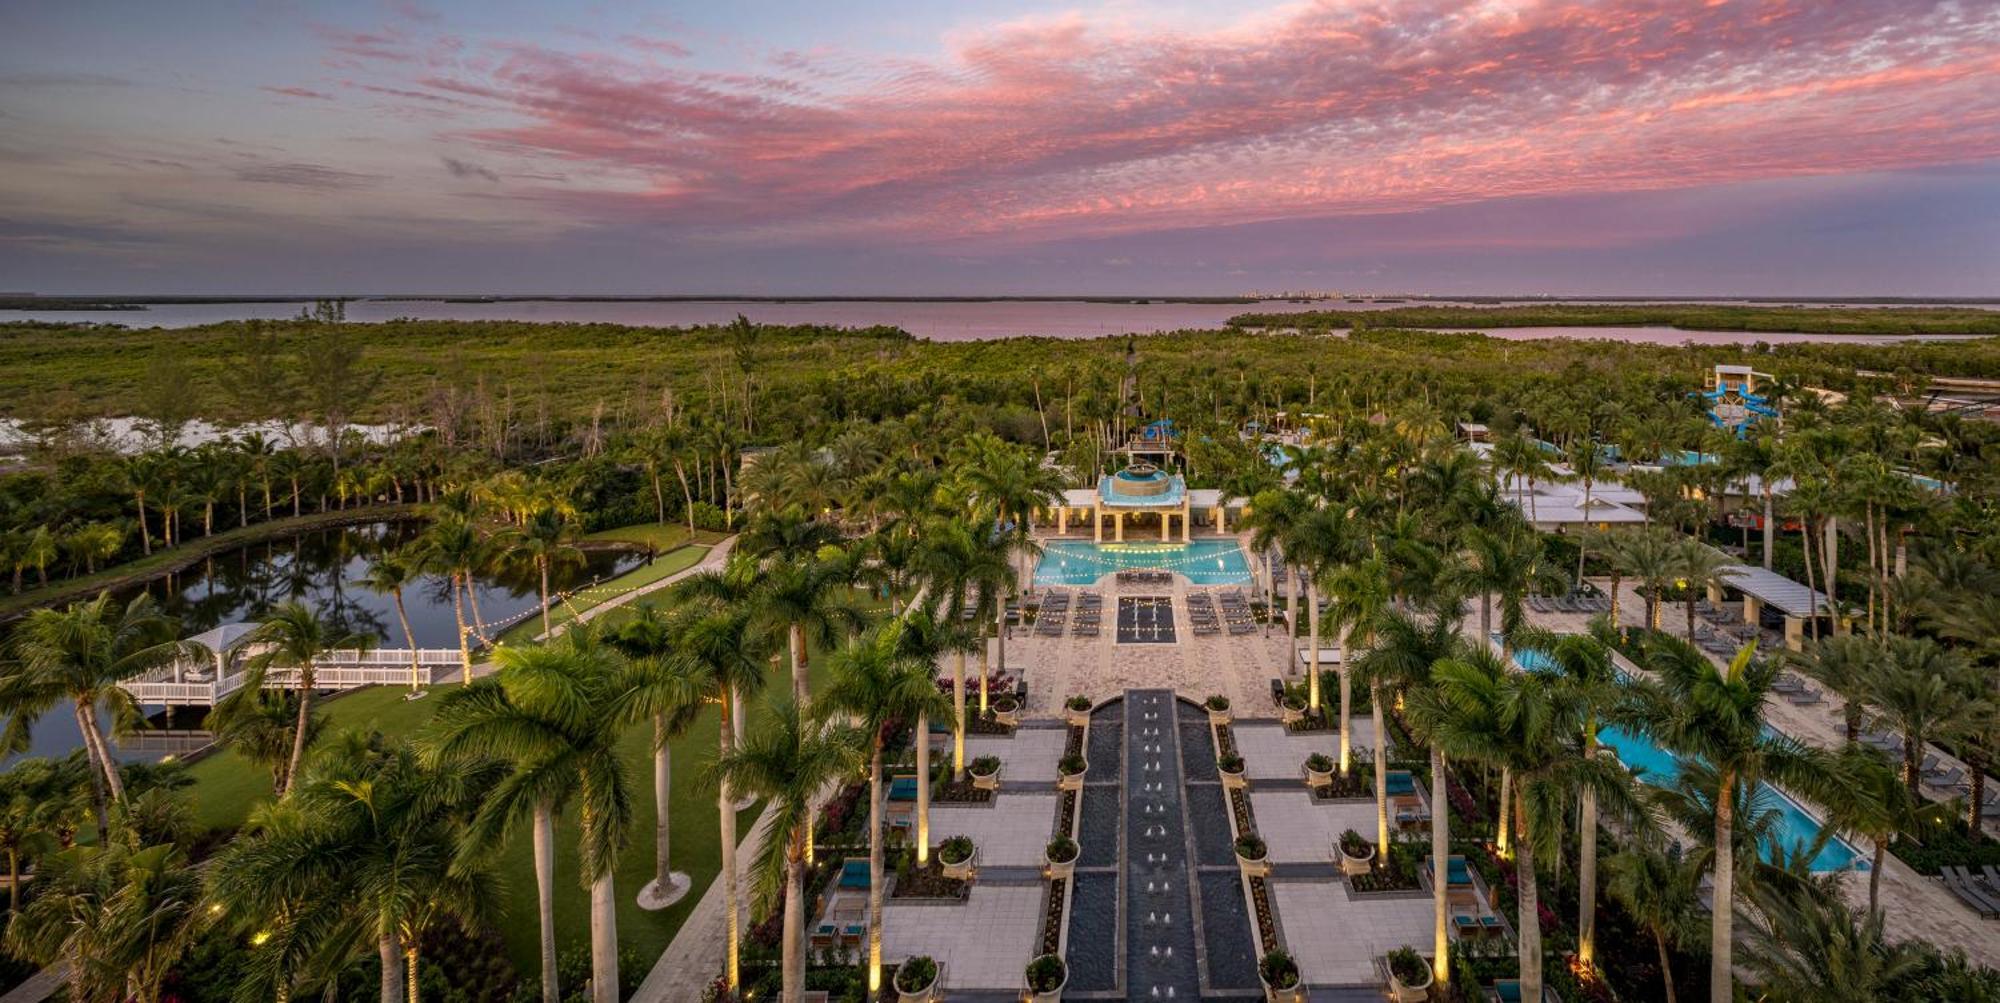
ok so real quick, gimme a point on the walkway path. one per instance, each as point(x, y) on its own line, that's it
point(695, 956)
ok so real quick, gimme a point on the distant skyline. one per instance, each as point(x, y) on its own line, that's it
point(882, 147)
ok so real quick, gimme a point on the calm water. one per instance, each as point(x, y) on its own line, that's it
point(956, 321)
point(323, 571)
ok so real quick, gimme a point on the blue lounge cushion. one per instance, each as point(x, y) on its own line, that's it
point(903, 789)
point(1509, 990)
point(1399, 782)
point(854, 874)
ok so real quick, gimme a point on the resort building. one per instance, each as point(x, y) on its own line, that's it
point(1146, 495)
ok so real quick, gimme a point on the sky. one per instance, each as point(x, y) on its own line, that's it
point(1614, 147)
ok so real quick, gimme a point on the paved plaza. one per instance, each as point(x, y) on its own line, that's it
point(1337, 937)
point(1013, 831)
point(1298, 831)
point(982, 943)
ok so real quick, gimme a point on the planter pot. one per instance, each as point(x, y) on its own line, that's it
point(1076, 718)
point(963, 870)
point(1254, 868)
point(927, 994)
point(1218, 718)
point(1070, 782)
point(1273, 994)
point(1319, 778)
point(1010, 718)
point(1354, 866)
point(1062, 870)
point(1409, 993)
point(1234, 781)
point(989, 782)
point(1052, 995)
point(1289, 716)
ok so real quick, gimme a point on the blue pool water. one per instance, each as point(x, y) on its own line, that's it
point(1796, 827)
point(1204, 562)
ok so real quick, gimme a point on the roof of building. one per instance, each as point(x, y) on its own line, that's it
point(1775, 590)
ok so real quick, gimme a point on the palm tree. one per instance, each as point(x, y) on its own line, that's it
point(721, 653)
point(1698, 566)
point(808, 596)
point(661, 689)
point(1359, 599)
point(1406, 650)
point(33, 792)
point(369, 833)
point(923, 638)
point(551, 711)
point(80, 654)
point(388, 575)
point(878, 684)
point(1878, 807)
point(1716, 715)
point(293, 635)
point(1920, 692)
point(1647, 557)
point(788, 760)
point(1587, 462)
point(452, 547)
point(544, 541)
point(1845, 664)
point(1272, 515)
point(963, 560)
point(1476, 708)
point(1814, 947)
point(1507, 562)
point(117, 916)
point(1583, 663)
point(1316, 545)
point(1661, 891)
point(259, 725)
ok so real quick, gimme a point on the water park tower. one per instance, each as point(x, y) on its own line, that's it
point(1732, 398)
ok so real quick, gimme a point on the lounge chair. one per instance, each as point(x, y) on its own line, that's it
point(1970, 891)
point(1947, 780)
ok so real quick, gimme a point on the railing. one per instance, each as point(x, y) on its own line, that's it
point(338, 670)
point(389, 656)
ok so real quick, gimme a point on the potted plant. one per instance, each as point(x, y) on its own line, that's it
point(1409, 976)
point(1252, 856)
point(956, 855)
point(1046, 977)
point(1072, 768)
point(1357, 855)
point(1218, 709)
point(1062, 853)
point(1292, 710)
point(1077, 710)
point(1319, 770)
point(1280, 975)
point(1230, 766)
point(917, 979)
point(985, 772)
point(1006, 711)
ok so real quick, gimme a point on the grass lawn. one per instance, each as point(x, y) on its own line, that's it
point(662, 536)
point(227, 787)
point(666, 564)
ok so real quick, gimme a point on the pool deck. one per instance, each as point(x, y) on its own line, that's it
point(1915, 906)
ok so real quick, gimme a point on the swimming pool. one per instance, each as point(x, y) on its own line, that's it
point(1204, 562)
point(1796, 826)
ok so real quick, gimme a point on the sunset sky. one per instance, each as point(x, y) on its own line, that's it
point(882, 146)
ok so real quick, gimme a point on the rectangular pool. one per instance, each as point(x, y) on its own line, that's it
point(1203, 562)
point(1796, 826)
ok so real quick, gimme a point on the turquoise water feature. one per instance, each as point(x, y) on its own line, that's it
point(1204, 562)
point(1796, 827)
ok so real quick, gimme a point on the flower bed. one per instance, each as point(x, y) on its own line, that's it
point(926, 882)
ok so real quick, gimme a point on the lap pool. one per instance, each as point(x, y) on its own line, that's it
point(1796, 827)
point(1204, 562)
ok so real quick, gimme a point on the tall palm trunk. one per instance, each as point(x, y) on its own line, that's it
point(1875, 875)
point(958, 718)
point(409, 638)
point(1617, 586)
point(1440, 865)
point(797, 640)
point(1721, 932)
point(13, 880)
point(1586, 865)
point(389, 949)
point(1530, 924)
point(604, 940)
point(1770, 527)
point(1503, 836)
point(1381, 770)
point(464, 638)
point(410, 969)
point(1976, 796)
point(1312, 664)
point(299, 729)
point(96, 750)
point(542, 566)
point(545, 895)
point(472, 600)
point(923, 788)
point(1347, 715)
point(1666, 965)
point(726, 813)
point(793, 952)
point(985, 671)
point(663, 782)
point(875, 867)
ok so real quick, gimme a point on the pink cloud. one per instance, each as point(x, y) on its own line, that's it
point(299, 92)
point(1063, 127)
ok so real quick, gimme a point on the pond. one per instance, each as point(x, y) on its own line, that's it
point(323, 570)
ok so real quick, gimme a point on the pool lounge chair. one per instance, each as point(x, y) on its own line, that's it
point(1509, 991)
point(1947, 780)
point(1971, 891)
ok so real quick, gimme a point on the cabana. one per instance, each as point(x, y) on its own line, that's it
point(1761, 588)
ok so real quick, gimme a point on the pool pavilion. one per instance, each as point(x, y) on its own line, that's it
point(1139, 493)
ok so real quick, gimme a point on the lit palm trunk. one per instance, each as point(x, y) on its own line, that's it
point(545, 893)
point(923, 789)
point(1440, 864)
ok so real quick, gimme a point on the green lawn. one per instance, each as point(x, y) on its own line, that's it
point(227, 787)
point(663, 536)
point(666, 564)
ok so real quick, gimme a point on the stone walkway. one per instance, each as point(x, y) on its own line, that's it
point(1337, 937)
point(695, 956)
